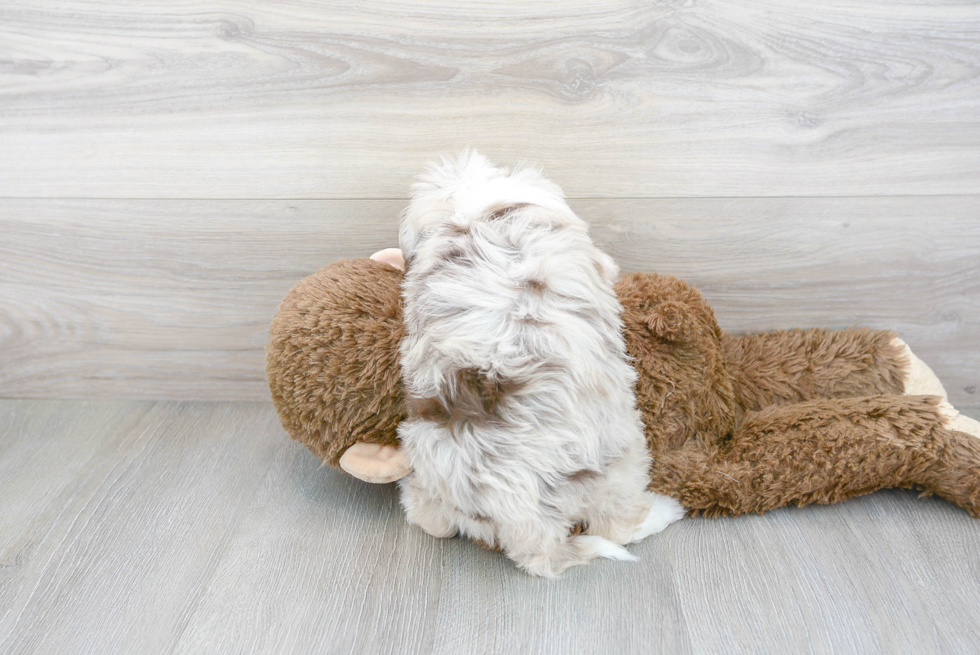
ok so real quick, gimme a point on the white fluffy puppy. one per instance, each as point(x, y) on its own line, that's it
point(522, 417)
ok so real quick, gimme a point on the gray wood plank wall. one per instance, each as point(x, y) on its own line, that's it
point(172, 298)
point(168, 171)
point(251, 99)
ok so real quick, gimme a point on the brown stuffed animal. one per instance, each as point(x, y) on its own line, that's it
point(734, 424)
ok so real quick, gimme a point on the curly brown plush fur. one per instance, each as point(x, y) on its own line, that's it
point(332, 361)
point(824, 451)
point(735, 424)
point(749, 424)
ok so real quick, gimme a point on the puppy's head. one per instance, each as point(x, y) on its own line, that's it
point(458, 191)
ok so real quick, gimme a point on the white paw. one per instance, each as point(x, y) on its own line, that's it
point(664, 510)
point(432, 525)
point(594, 546)
point(919, 378)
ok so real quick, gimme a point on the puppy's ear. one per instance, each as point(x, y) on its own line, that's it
point(375, 463)
point(607, 267)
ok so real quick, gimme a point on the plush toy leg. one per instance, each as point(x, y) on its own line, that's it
point(826, 451)
point(792, 366)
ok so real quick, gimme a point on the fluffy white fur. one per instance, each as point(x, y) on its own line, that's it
point(525, 422)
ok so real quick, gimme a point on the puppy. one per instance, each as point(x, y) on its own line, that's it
point(522, 418)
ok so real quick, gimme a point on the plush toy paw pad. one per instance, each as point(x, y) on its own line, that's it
point(953, 420)
point(919, 378)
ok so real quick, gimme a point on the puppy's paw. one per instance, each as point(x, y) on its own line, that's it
point(422, 510)
point(591, 546)
point(440, 531)
point(664, 510)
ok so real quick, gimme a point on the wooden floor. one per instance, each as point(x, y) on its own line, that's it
point(143, 527)
point(168, 170)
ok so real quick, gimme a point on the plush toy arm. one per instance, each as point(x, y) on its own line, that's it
point(791, 366)
point(375, 463)
point(663, 308)
point(391, 256)
point(826, 451)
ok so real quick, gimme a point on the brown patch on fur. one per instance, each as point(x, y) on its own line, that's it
point(428, 409)
point(584, 475)
point(456, 230)
point(456, 255)
point(496, 212)
point(476, 392)
point(474, 400)
point(537, 286)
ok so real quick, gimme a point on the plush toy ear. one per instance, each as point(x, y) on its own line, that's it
point(375, 463)
point(391, 256)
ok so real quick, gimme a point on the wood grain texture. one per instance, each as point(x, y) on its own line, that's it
point(199, 527)
point(39, 462)
point(328, 565)
point(172, 299)
point(836, 574)
point(117, 560)
point(319, 99)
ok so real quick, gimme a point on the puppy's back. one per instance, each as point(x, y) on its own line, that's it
point(515, 298)
point(520, 396)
